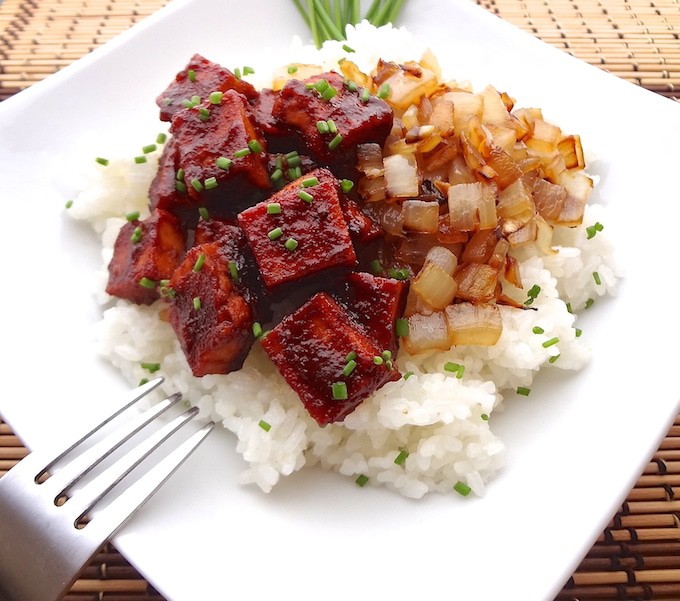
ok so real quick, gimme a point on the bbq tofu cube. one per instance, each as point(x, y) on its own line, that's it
point(165, 191)
point(299, 230)
point(221, 156)
point(326, 359)
point(212, 318)
point(199, 79)
point(361, 227)
point(144, 253)
point(375, 303)
point(349, 120)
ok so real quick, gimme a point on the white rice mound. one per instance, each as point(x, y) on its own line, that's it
point(440, 420)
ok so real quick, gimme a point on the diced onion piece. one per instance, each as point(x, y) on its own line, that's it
point(549, 199)
point(544, 234)
point(415, 304)
point(408, 85)
point(464, 202)
point(353, 73)
point(465, 106)
point(299, 71)
point(488, 219)
point(429, 61)
point(515, 202)
point(468, 323)
point(476, 282)
point(370, 160)
point(524, 235)
point(446, 234)
point(480, 247)
point(442, 115)
point(410, 117)
point(391, 220)
point(444, 258)
point(553, 166)
point(512, 273)
point(503, 137)
point(494, 110)
point(579, 187)
point(499, 254)
point(546, 132)
point(436, 287)
point(459, 172)
point(506, 168)
point(413, 249)
point(401, 175)
point(572, 151)
point(372, 189)
point(420, 216)
point(426, 333)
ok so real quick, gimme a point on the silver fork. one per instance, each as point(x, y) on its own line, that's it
point(46, 533)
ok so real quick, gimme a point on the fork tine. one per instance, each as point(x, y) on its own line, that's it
point(105, 524)
point(70, 474)
point(84, 500)
point(133, 397)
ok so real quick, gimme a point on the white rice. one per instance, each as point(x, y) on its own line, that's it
point(439, 419)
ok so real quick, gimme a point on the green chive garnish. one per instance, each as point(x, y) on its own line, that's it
point(191, 74)
point(351, 356)
point(143, 381)
point(102, 161)
point(578, 332)
point(136, 235)
point(523, 390)
point(347, 48)
point(140, 160)
point(203, 213)
point(365, 95)
point(384, 91)
point(332, 128)
point(339, 391)
point(533, 293)
point(407, 375)
point(198, 265)
point(291, 244)
point(264, 425)
point(274, 208)
point(309, 182)
point(292, 69)
point(401, 458)
point(248, 70)
point(361, 480)
point(294, 162)
point(378, 360)
point(591, 230)
point(335, 142)
point(276, 175)
point(596, 277)
point(242, 153)
point(216, 97)
point(147, 283)
point(538, 330)
point(161, 138)
point(589, 303)
point(376, 267)
point(210, 183)
point(306, 196)
point(551, 342)
point(179, 174)
point(149, 148)
point(197, 303)
point(257, 329)
point(346, 185)
point(349, 368)
point(69, 204)
point(233, 270)
point(455, 368)
point(462, 489)
point(553, 358)
point(223, 163)
point(322, 127)
point(197, 185)
point(180, 187)
point(151, 367)
point(402, 327)
point(255, 146)
point(485, 417)
point(275, 233)
point(321, 85)
point(133, 216)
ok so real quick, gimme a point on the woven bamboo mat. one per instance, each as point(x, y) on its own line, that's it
point(638, 555)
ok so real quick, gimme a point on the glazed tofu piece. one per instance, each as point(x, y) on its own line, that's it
point(326, 359)
point(221, 157)
point(300, 230)
point(324, 98)
point(199, 79)
point(361, 227)
point(211, 316)
point(166, 192)
point(145, 252)
point(375, 304)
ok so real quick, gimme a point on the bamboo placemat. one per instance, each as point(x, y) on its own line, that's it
point(638, 555)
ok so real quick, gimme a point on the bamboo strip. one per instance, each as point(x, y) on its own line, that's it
point(654, 494)
point(13, 452)
point(613, 562)
point(106, 586)
point(642, 534)
point(645, 521)
point(622, 577)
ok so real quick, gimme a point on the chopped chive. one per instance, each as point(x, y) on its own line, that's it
point(187, 104)
point(329, 92)
point(309, 182)
point(292, 69)
point(167, 292)
point(332, 128)
point(147, 283)
point(136, 235)
point(223, 162)
point(210, 183)
point(386, 355)
point(569, 309)
point(257, 329)
point(294, 173)
point(322, 127)
point(376, 267)
point(402, 327)
point(351, 356)
point(407, 375)
point(591, 230)
point(352, 86)
point(161, 138)
point(538, 330)
point(462, 489)
point(589, 303)
point(198, 265)
point(196, 99)
point(203, 213)
point(553, 358)
point(339, 391)
point(69, 204)
point(237, 73)
point(276, 175)
point(274, 208)
point(133, 216)
point(291, 244)
point(179, 174)
point(149, 148)
point(485, 417)
point(264, 425)
point(233, 270)
point(596, 277)
point(197, 303)
point(191, 74)
point(378, 360)
point(294, 161)
point(349, 368)
point(181, 187)
point(306, 196)
point(401, 458)
point(321, 85)
point(384, 91)
point(197, 185)
point(365, 95)
point(578, 332)
point(335, 142)
point(242, 153)
point(102, 161)
point(551, 342)
point(523, 390)
point(346, 185)
point(216, 97)
point(361, 480)
point(398, 274)
point(204, 114)
point(275, 233)
point(255, 146)
point(143, 381)
point(533, 293)
point(292, 154)
point(455, 368)
point(347, 48)
point(151, 367)
point(140, 160)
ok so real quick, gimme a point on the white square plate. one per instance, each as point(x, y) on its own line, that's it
point(575, 447)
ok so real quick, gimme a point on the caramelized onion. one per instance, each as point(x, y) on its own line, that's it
point(420, 216)
point(370, 160)
point(444, 258)
point(473, 324)
point(436, 287)
point(401, 175)
point(426, 333)
point(476, 282)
